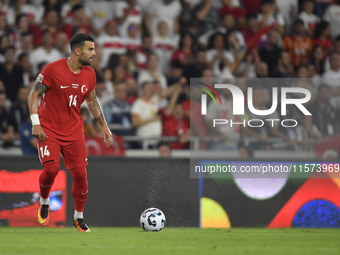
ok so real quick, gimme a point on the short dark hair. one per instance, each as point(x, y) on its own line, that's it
point(79, 39)
point(164, 143)
point(22, 55)
point(145, 83)
point(77, 7)
point(26, 33)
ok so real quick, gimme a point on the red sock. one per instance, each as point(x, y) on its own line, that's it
point(47, 177)
point(79, 188)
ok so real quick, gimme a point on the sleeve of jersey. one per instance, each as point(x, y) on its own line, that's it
point(46, 75)
point(94, 81)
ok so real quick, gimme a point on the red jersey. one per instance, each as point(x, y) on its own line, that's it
point(59, 110)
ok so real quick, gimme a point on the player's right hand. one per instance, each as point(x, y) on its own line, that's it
point(39, 133)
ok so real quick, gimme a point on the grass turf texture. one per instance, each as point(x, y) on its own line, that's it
point(169, 241)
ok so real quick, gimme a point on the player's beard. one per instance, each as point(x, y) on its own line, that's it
point(85, 61)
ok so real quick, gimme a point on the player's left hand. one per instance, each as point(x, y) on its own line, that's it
point(107, 135)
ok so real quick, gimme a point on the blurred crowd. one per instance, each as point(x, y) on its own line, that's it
point(147, 51)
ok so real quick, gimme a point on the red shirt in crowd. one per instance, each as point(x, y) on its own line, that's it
point(174, 127)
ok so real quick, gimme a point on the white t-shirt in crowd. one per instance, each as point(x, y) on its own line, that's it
point(110, 45)
point(41, 55)
point(144, 75)
point(33, 12)
point(284, 8)
point(332, 78)
point(225, 72)
point(133, 44)
point(146, 110)
point(271, 20)
point(164, 48)
point(310, 21)
point(332, 15)
point(168, 13)
point(135, 16)
point(100, 12)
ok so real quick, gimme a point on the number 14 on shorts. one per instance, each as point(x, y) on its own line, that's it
point(44, 151)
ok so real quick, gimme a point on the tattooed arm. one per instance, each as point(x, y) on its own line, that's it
point(33, 105)
point(97, 112)
point(37, 90)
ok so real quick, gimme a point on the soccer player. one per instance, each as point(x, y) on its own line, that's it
point(58, 125)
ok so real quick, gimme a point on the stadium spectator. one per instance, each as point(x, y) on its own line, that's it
point(207, 15)
point(289, 9)
point(78, 20)
point(227, 135)
point(144, 113)
point(11, 74)
point(26, 44)
point(184, 53)
point(133, 39)
point(62, 44)
point(173, 121)
point(89, 129)
point(110, 43)
point(175, 72)
point(128, 12)
point(152, 73)
point(192, 111)
point(44, 53)
point(271, 53)
point(317, 59)
point(163, 10)
point(164, 149)
point(164, 45)
point(22, 26)
point(229, 7)
point(332, 78)
point(99, 12)
point(117, 112)
point(51, 23)
point(297, 44)
point(3, 24)
point(131, 90)
point(309, 19)
point(284, 66)
point(6, 128)
point(336, 49)
point(226, 24)
point(323, 114)
point(35, 13)
point(23, 61)
point(269, 15)
point(196, 68)
point(322, 37)
point(19, 109)
point(4, 43)
point(331, 16)
point(28, 142)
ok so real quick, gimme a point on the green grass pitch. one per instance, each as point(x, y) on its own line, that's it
point(174, 241)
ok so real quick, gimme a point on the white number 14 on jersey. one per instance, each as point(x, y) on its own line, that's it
point(74, 100)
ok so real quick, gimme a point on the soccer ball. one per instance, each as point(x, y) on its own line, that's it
point(152, 219)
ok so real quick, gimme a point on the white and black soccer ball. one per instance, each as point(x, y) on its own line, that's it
point(152, 219)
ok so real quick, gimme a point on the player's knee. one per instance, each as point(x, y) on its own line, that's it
point(50, 172)
point(79, 174)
